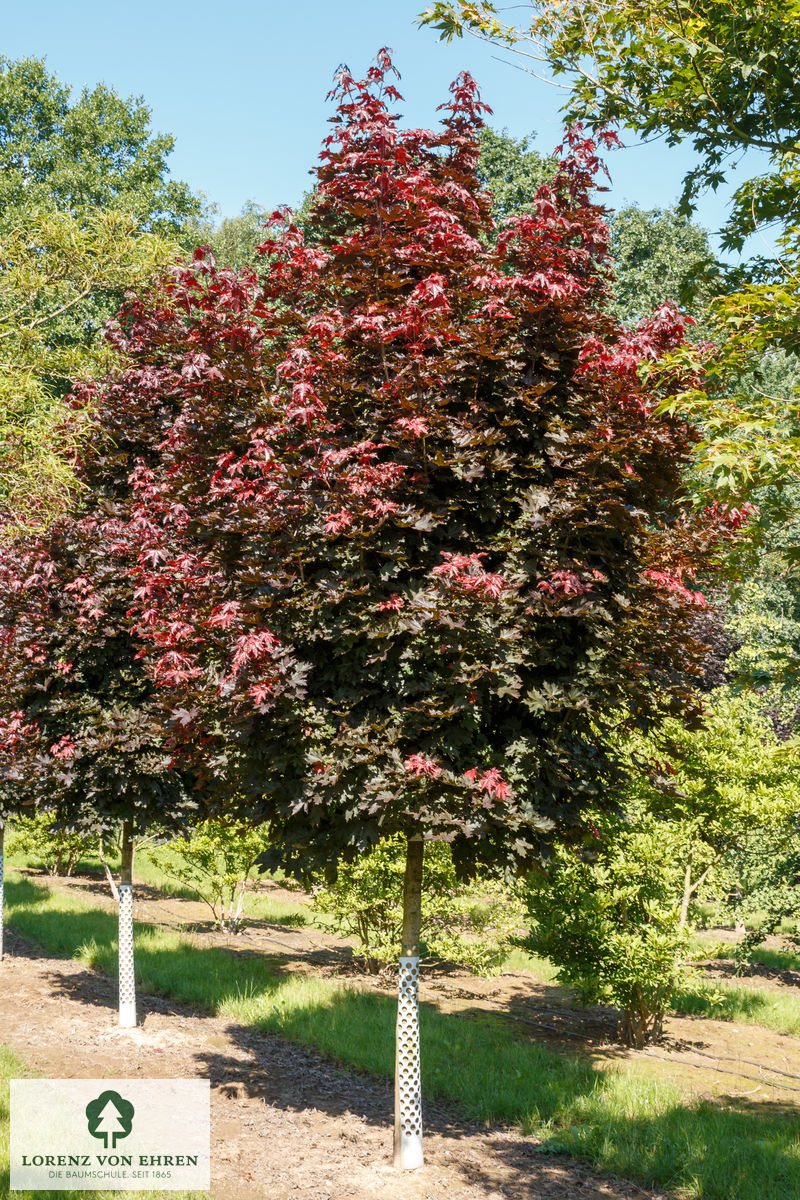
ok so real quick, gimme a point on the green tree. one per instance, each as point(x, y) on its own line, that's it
point(87, 210)
point(613, 914)
point(235, 241)
point(660, 255)
point(96, 151)
point(758, 886)
point(606, 915)
point(511, 171)
point(216, 860)
point(727, 777)
point(58, 849)
point(720, 75)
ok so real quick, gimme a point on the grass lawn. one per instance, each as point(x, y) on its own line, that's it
point(744, 1005)
point(781, 960)
point(12, 1068)
point(619, 1119)
point(148, 871)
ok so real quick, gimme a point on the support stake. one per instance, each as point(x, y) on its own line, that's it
point(407, 1079)
point(127, 984)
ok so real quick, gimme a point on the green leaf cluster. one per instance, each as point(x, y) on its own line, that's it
point(468, 924)
point(216, 860)
point(87, 211)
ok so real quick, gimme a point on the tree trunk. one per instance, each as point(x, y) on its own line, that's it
point(2, 913)
point(407, 1081)
point(127, 985)
point(111, 881)
point(687, 893)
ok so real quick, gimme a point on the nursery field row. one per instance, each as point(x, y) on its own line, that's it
point(614, 1115)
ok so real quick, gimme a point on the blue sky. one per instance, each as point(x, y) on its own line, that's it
point(242, 85)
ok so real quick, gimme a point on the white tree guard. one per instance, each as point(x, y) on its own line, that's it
point(408, 1084)
point(2, 911)
point(127, 985)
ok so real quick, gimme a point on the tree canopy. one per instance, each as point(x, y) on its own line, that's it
point(96, 151)
point(718, 74)
point(411, 527)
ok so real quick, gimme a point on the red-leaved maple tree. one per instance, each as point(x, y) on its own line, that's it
point(413, 539)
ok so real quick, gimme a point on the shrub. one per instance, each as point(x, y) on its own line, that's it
point(608, 917)
point(471, 925)
point(59, 850)
point(216, 861)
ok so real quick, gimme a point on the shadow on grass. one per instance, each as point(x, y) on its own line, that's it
point(780, 960)
point(618, 1119)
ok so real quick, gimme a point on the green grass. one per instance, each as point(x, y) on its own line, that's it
point(542, 968)
point(259, 906)
point(725, 1001)
point(780, 960)
point(622, 1120)
point(743, 1005)
point(12, 1068)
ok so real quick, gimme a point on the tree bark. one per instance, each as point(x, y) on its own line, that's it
point(687, 893)
point(407, 1087)
point(127, 985)
point(112, 883)
point(412, 897)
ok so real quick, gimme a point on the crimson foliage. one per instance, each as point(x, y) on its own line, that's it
point(81, 734)
point(411, 534)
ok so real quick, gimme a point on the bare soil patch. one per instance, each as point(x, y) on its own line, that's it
point(286, 1123)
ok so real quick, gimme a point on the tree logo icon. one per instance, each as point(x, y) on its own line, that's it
point(109, 1116)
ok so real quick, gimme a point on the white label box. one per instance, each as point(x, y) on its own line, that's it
point(110, 1134)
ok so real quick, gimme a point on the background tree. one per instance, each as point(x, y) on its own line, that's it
point(54, 269)
point(94, 152)
point(86, 211)
point(727, 777)
point(469, 924)
point(660, 256)
point(606, 915)
point(83, 739)
point(235, 241)
point(757, 888)
point(511, 172)
point(216, 861)
point(59, 850)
